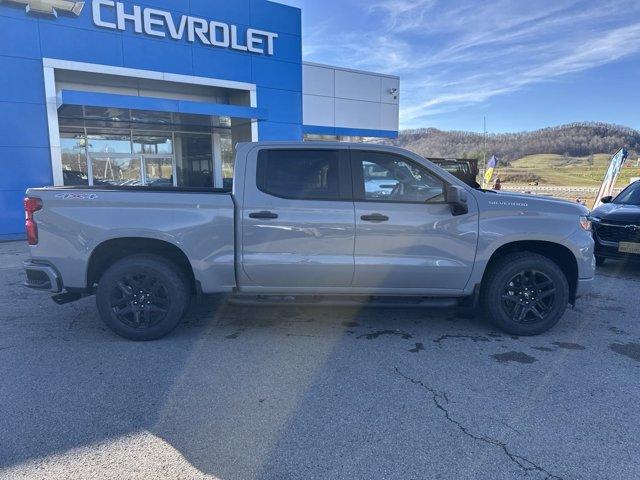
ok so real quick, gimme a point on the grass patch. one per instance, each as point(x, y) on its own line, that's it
point(559, 170)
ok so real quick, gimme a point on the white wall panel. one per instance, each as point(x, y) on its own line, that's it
point(318, 80)
point(357, 114)
point(343, 98)
point(390, 117)
point(388, 84)
point(318, 110)
point(358, 86)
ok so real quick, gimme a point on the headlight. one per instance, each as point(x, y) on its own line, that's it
point(585, 223)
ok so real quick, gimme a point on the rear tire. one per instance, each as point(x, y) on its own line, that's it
point(143, 297)
point(525, 294)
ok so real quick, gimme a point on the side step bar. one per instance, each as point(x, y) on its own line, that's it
point(342, 301)
point(67, 297)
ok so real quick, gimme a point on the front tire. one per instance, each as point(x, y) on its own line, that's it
point(525, 294)
point(600, 261)
point(142, 297)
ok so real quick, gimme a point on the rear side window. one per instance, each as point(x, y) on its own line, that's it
point(300, 174)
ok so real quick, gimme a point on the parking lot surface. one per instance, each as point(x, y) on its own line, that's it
point(285, 393)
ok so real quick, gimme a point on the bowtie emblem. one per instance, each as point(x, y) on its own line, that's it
point(50, 7)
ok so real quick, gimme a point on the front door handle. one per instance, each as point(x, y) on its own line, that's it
point(375, 217)
point(263, 215)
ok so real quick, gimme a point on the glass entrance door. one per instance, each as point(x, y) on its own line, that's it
point(194, 155)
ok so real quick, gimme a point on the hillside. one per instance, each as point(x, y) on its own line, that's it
point(559, 170)
point(578, 140)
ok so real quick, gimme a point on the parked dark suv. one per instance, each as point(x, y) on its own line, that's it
point(616, 226)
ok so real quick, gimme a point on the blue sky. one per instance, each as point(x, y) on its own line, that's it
point(525, 64)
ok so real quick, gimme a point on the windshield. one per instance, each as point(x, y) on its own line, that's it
point(630, 196)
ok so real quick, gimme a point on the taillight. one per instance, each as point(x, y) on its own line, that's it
point(31, 205)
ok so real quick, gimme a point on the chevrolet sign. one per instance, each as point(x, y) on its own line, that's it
point(50, 7)
point(162, 24)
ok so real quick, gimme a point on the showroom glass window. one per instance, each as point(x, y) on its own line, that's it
point(111, 146)
point(74, 157)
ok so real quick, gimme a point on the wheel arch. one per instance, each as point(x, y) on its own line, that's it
point(113, 250)
point(558, 253)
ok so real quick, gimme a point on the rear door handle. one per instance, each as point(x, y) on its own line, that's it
point(375, 217)
point(263, 215)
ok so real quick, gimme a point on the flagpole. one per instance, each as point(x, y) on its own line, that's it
point(484, 155)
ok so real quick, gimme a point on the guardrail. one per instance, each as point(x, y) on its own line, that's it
point(554, 189)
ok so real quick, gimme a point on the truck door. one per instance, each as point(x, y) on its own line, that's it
point(407, 238)
point(298, 227)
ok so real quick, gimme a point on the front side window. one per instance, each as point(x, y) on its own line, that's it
point(300, 174)
point(630, 196)
point(390, 178)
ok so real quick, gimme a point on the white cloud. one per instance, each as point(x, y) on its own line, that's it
point(451, 54)
point(404, 15)
point(572, 58)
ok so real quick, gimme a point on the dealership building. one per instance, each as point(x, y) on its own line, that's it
point(158, 92)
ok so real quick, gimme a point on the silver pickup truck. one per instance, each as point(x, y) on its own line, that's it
point(311, 224)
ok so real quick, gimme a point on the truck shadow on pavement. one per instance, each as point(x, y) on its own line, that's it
point(620, 269)
point(272, 393)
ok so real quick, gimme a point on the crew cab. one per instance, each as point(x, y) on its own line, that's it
point(304, 224)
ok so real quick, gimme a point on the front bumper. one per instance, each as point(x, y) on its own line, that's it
point(42, 277)
point(611, 250)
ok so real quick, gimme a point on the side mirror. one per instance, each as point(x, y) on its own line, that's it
point(607, 199)
point(458, 198)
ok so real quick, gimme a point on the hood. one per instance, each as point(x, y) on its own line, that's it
point(616, 212)
point(537, 201)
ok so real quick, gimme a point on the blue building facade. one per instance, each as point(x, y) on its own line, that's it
point(141, 91)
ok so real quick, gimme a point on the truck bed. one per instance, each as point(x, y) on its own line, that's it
point(76, 222)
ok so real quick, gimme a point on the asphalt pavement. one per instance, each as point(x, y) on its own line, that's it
point(285, 393)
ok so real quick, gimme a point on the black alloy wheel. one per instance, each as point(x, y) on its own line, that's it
point(143, 297)
point(525, 293)
point(140, 301)
point(529, 297)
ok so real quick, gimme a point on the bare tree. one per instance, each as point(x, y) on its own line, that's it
point(573, 140)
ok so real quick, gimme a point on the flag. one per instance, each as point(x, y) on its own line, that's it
point(491, 166)
point(609, 182)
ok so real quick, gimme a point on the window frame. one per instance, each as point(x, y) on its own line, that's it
point(345, 186)
point(359, 190)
